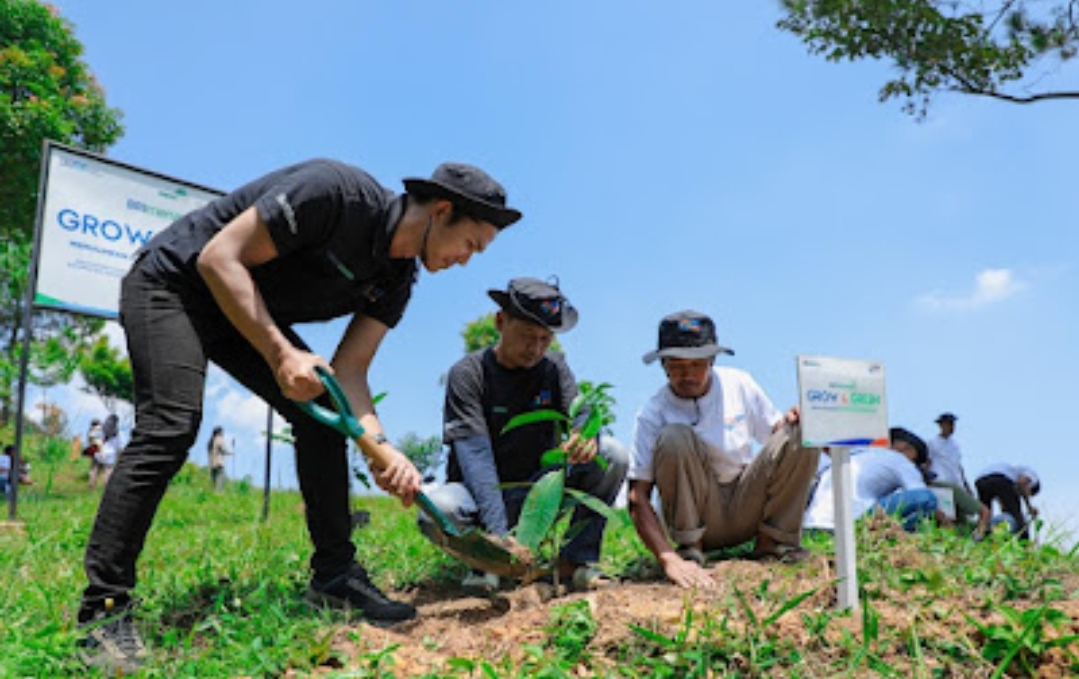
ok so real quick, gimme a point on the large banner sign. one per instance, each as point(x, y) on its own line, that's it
point(842, 402)
point(96, 214)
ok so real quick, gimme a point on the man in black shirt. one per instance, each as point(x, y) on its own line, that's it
point(310, 242)
point(488, 388)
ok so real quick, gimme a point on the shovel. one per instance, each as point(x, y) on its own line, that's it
point(471, 546)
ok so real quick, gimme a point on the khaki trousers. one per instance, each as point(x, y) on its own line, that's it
point(768, 497)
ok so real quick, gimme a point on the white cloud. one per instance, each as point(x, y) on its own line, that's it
point(239, 410)
point(990, 286)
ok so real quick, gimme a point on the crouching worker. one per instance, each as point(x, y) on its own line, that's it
point(1008, 484)
point(887, 480)
point(694, 443)
point(488, 388)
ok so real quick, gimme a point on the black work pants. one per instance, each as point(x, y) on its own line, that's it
point(999, 487)
point(169, 345)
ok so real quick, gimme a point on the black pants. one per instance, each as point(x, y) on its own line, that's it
point(999, 487)
point(169, 346)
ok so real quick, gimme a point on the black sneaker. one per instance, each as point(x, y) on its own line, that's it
point(354, 591)
point(112, 643)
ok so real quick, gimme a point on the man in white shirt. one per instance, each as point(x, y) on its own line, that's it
point(694, 443)
point(884, 479)
point(945, 458)
point(945, 470)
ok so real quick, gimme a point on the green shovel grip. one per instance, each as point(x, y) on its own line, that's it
point(342, 419)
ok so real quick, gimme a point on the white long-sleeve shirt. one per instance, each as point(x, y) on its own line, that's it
point(875, 472)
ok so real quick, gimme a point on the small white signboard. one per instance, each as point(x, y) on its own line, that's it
point(96, 213)
point(842, 402)
point(945, 501)
point(843, 405)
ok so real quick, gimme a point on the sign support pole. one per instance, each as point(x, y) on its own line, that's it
point(269, 459)
point(27, 330)
point(845, 547)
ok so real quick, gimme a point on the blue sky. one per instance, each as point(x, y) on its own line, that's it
point(666, 156)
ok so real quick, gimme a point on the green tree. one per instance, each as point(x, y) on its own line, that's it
point(425, 453)
point(482, 333)
point(984, 49)
point(46, 92)
point(107, 374)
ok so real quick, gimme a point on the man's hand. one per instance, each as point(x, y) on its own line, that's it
point(400, 478)
point(580, 450)
point(685, 574)
point(296, 376)
point(790, 418)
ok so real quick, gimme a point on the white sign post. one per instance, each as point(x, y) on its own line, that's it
point(93, 214)
point(843, 405)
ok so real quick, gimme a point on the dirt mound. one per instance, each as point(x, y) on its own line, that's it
point(456, 624)
point(922, 617)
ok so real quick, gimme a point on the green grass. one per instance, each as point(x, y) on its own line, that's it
point(221, 596)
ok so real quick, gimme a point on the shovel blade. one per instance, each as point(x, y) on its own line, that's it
point(479, 551)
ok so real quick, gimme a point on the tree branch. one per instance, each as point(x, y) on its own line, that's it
point(1030, 99)
point(1000, 15)
point(966, 87)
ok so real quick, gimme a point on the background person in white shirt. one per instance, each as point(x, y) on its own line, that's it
point(945, 470)
point(694, 442)
point(1008, 484)
point(945, 458)
point(884, 479)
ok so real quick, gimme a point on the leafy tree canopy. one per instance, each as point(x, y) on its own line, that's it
point(107, 373)
point(980, 48)
point(425, 453)
point(46, 92)
point(482, 333)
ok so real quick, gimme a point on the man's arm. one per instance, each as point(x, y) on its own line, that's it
point(681, 572)
point(1025, 485)
point(351, 363)
point(465, 428)
point(225, 264)
point(480, 475)
point(789, 418)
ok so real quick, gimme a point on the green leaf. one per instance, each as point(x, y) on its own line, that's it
point(533, 417)
point(655, 638)
point(555, 457)
point(592, 502)
point(540, 510)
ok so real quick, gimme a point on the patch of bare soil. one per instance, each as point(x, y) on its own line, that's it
point(453, 623)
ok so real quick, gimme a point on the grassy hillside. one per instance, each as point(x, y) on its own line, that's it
point(222, 597)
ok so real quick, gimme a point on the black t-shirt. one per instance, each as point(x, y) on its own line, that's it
point(331, 223)
point(482, 396)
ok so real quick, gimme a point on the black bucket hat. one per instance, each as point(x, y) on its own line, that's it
point(469, 187)
point(534, 300)
point(687, 334)
point(946, 417)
